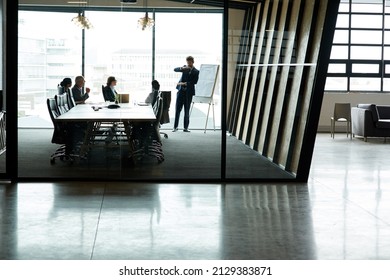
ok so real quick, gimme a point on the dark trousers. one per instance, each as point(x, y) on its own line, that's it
point(183, 99)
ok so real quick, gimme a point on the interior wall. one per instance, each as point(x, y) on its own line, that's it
point(236, 19)
point(330, 98)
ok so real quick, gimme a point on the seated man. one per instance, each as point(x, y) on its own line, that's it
point(78, 93)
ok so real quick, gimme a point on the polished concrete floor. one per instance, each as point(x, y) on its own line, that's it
point(343, 212)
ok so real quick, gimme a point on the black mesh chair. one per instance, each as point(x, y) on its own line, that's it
point(64, 134)
point(71, 102)
point(110, 130)
point(166, 96)
point(146, 138)
point(69, 95)
point(3, 137)
point(104, 96)
point(62, 103)
point(59, 133)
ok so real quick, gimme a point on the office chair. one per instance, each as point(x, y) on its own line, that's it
point(61, 134)
point(61, 91)
point(341, 113)
point(71, 102)
point(2, 133)
point(166, 96)
point(104, 96)
point(110, 130)
point(62, 103)
point(146, 138)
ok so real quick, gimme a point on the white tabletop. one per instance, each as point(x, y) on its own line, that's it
point(126, 112)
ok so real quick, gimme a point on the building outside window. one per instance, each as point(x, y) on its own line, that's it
point(114, 46)
point(360, 57)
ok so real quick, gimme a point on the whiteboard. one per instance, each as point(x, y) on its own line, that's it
point(208, 74)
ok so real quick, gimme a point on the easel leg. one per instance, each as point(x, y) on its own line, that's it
point(213, 116)
point(192, 106)
point(207, 118)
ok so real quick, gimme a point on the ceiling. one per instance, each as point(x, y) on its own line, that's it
point(187, 4)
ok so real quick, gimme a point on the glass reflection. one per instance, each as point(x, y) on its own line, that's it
point(128, 55)
point(267, 222)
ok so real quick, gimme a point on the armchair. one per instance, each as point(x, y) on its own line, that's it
point(370, 120)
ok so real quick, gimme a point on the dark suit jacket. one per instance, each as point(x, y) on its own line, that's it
point(190, 77)
point(108, 94)
point(78, 95)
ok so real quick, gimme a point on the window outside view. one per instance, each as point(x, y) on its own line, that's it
point(361, 48)
point(50, 48)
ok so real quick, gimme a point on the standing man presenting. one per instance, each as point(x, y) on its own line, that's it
point(186, 90)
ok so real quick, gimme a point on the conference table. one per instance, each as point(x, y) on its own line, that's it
point(94, 114)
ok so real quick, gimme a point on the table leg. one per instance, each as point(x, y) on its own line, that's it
point(87, 139)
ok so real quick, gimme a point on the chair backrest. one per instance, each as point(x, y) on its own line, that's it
point(372, 108)
point(58, 134)
point(62, 103)
point(158, 108)
point(71, 102)
point(52, 108)
point(3, 137)
point(60, 89)
point(105, 97)
point(342, 110)
point(166, 96)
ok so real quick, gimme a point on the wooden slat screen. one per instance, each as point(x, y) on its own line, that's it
point(276, 74)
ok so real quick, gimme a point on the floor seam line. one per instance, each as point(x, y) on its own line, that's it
point(97, 224)
point(368, 212)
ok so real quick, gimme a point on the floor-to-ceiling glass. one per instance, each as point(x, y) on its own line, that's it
point(2, 98)
point(49, 50)
point(52, 47)
point(174, 42)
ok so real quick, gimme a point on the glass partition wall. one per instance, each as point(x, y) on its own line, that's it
point(3, 146)
point(52, 47)
point(272, 56)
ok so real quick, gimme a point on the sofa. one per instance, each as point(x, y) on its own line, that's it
point(370, 120)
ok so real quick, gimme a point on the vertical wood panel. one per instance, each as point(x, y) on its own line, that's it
point(279, 85)
point(255, 127)
point(234, 22)
point(297, 85)
point(240, 71)
point(249, 70)
point(275, 101)
point(264, 113)
point(252, 102)
point(309, 80)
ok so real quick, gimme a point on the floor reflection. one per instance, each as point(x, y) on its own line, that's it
point(267, 222)
point(8, 222)
point(185, 226)
point(76, 220)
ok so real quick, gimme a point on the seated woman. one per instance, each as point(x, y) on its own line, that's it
point(109, 92)
point(153, 95)
point(65, 86)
